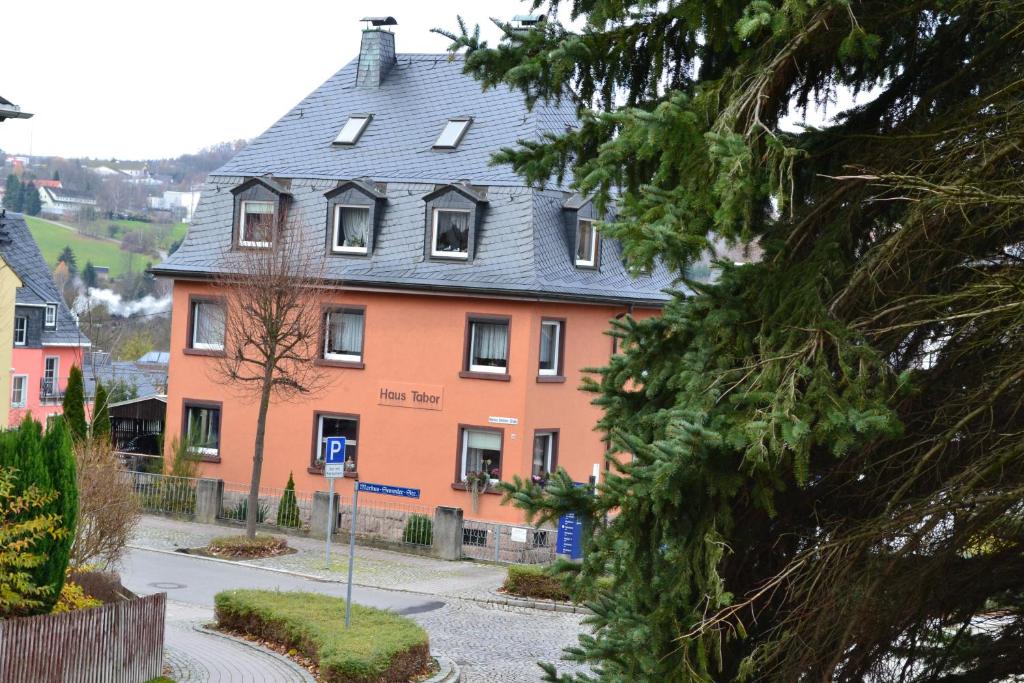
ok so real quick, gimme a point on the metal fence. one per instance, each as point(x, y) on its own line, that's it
point(390, 521)
point(506, 543)
point(164, 493)
point(120, 642)
point(277, 507)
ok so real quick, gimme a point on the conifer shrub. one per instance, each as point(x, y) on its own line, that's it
point(74, 405)
point(288, 507)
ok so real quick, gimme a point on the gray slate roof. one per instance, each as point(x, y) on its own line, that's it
point(147, 378)
point(21, 252)
point(523, 247)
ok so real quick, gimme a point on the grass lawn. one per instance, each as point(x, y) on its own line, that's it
point(165, 233)
point(52, 239)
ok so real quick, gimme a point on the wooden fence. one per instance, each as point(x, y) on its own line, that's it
point(117, 643)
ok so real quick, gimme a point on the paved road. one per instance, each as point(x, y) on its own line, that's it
point(195, 581)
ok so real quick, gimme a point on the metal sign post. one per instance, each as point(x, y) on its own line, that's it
point(351, 554)
point(334, 467)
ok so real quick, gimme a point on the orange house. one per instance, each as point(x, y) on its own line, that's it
point(465, 304)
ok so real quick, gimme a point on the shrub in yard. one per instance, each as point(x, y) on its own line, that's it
point(533, 581)
point(242, 546)
point(240, 512)
point(419, 529)
point(73, 597)
point(380, 646)
point(108, 511)
point(288, 508)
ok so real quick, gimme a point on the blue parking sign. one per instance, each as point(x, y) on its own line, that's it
point(334, 456)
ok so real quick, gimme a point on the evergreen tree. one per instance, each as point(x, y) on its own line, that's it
point(31, 203)
point(89, 274)
point(101, 414)
point(12, 193)
point(288, 508)
point(59, 458)
point(817, 461)
point(67, 257)
point(74, 405)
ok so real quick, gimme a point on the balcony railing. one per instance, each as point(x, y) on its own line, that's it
point(50, 390)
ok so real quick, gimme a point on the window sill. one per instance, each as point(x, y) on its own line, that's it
point(347, 252)
point(203, 352)
point(320, 471)
point(215, 459)
point(355, 365)
point(500, 377)
point(459, 486)
point(550, 379)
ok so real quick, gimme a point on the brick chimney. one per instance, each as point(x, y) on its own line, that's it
point(376, 52)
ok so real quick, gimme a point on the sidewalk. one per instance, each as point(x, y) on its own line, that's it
point(374, 568)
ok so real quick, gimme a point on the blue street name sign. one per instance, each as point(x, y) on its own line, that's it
point(334, 457)
point(400, 491)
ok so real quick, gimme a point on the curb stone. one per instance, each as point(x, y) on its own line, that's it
point(538, 603)
point(449, 671)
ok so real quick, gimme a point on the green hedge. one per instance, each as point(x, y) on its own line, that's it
point(380, 646)
point(532, 581)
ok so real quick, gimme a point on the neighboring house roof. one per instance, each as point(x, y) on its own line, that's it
point(523, 245)
point(147, 378)
point(42, 182)
point(20, 250)
point(63, 194)
point(9, 110)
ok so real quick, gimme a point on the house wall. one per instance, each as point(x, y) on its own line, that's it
point(32, 362)
point(413, 340)
point(9, 282)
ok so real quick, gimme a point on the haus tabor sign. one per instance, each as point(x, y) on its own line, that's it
point(405, 395)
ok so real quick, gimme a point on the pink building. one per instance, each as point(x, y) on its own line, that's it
point(47, 341)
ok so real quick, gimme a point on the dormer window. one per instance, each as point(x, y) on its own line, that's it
point(51, 316)
point(353, 129)
point(450, 234)
point(452, 225)
point(452, 133)
point(260, 204)
point(257, 224)
point(586, 243)
point(352, 210)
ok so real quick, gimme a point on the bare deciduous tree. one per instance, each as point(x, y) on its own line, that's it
point(108, 509)
point(272, 332)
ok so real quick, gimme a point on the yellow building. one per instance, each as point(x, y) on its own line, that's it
point(9, 282)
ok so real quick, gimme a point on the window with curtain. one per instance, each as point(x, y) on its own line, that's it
point(550, 348)
point(19, 391)
point(481, 452)
point(451, 234)
point(586, 243)
point(207, 326)
point(344, 335)
point(351, 229)
point(543, 454)
point(203, 429)
point(257, 224)
point(334, 425)
point(488, 346)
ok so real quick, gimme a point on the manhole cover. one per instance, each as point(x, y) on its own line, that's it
point(167, 585)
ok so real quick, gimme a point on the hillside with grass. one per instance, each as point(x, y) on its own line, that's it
point(52, 239)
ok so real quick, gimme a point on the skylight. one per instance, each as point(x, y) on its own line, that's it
point(352, 129)
point(452, 134)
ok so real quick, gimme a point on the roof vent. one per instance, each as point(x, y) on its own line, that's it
point(376, 52)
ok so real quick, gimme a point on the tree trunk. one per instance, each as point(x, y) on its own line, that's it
point(252, 507)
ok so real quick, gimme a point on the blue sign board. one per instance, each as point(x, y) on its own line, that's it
point(570, 536)
point(334, 457)
point(400, 491)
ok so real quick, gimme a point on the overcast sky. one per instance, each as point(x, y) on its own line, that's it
point(144, 79)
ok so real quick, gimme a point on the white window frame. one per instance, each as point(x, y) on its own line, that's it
point(553, 372)
point(492, 369)
point(348, 442)
point(550, 452)
point(203, 450)
point(462, 123)
point(337, 229)
point(204, 346)
point(56, 373)
point(24, 330)
point(346, 357)
point(242, 242)
point(592, 261)
point(24, 391)
point(454, 255)
point(356, 132)
point(464, 450)
point(51, 316)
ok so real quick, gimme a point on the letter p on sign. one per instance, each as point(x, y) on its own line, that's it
point(334, 456)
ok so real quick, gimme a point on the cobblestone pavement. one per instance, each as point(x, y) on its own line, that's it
point(374, 567)
point(197, 657)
